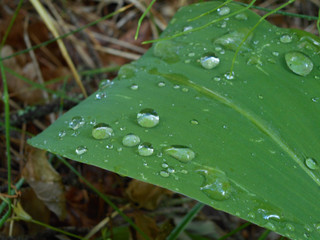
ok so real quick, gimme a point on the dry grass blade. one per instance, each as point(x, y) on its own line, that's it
point(50, 24)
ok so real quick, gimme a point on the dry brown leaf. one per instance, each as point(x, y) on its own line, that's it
point(147, 224)
point(146, 195)
point(45, 181)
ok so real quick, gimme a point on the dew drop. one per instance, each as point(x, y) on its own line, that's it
point(232, 40)
point(229, 75)
point(290, 227)
point(109, 146)
point(311, 163)
point(241, 16)
point(317, 226)
point(171, 170)
point(223, 11)
point(76, 122)
point(161, 84)
point(176, 86)
point(216, 185)
point(315, 99)
point(166, 50)
point(134, 87)
point(164, 165)
point(217, 79)
point(181, 153)
point(286, 38)
point(104, 84)
point(145, 149)
point(100, 95)
point(194, 122)
point(184, 171)
point(148, 118)
point(81, 150)
point(164, 174)
point(209, 61)
point(130, 140)
point(62, 133)
point(299, 63)
point(187, 28)
point(102, 131)
point(127, 71)
point(276, 54)
point(251, 215)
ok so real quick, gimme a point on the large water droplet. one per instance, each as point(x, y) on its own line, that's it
point(130, 140)
point(145, 149)
point(223, 11)
point(232, 40)
point(102, 131)
point(311, 163)
point(148, 118)
point(76, 122)
point(216, 185)
point(181, 153)
point(127, 71)
point(209, 61)
point(286, 38)
point(166, 50)
point(81, 150)
point(299, 63)
point(161, 84)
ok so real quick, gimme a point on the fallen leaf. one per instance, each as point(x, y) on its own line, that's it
point(146, 195)
point(45, 181)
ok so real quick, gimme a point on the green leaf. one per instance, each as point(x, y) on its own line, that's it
point(246, 142)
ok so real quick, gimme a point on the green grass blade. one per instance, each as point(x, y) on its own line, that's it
point(185, 221)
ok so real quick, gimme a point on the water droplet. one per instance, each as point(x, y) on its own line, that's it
point(251, 215)
point(102, 131)
point(229, 75)
point(290, 227)
point(164, 174)
point(275, 54)
point(176, 86)
point(145, 149)
point(194, 122)
point(76, 122)
point(164, 165)
point(184, 171)
point(216, 185)
point(171, 170)
point(232, 40)
point(311, 163)
point(254, 60)
point(161, 84)
point(185, 89)
point(241, 16)
point(109, 146)
point(104, 84)
point(181, 153)
point(317, 226)
point(223, 11)
point(286, 38)
point(187, 28)
point(166, 50)
point(130, 140)
point(191, 54)
point(62, 133)
point(81, 150)
point(315, 99)
point(148, 118)
point(134, 87)
point(209, 61)
point(217, 79)
point(100, 95)
point(119, 149)
point(299, 63)
point(127, 71)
